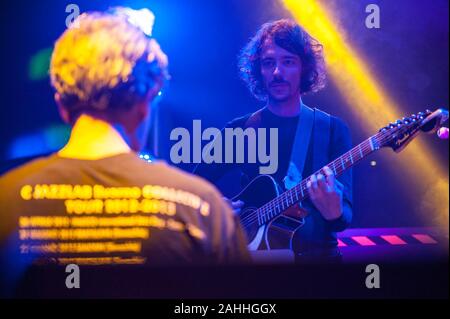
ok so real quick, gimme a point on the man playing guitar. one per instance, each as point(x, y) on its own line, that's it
point(280, 64)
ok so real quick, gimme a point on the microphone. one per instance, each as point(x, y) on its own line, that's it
point(442, 133)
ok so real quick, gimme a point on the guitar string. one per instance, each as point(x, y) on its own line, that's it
point(350, 156)
point(265, 212)
point(268, 209)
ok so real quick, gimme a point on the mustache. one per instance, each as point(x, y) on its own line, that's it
point(276, 82)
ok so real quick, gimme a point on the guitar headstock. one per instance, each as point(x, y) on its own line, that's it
point(398, 134)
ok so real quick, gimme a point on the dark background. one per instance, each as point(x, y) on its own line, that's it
point(409, 55)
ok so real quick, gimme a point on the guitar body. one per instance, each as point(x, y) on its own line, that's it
point(276, 234)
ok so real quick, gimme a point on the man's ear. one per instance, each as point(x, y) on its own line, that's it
point(62, 110)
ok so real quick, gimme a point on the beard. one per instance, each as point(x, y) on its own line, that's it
point(280, 92)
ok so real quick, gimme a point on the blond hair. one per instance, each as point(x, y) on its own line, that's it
point(104, 62)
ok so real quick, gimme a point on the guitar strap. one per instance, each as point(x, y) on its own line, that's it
point(321, 146)
point(315, 123)
point(312, 122)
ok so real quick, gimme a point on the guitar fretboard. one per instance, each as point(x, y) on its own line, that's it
point(299, 192)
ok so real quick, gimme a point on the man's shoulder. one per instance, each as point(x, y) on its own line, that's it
point(339, 131)
point(335, 120)
point(341, 137)
point(336, 123)
point(238, 121)
point(241, 121)
point(13, 179)
point(127, 168)
point(27, 169)
point(339, 126)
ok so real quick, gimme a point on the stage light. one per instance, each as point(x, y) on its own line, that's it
point(371, 104)
point(47, 140)
point(146, 157)
point(39, 64)
point(143, 19)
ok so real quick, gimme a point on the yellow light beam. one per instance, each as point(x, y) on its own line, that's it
point(371, 105)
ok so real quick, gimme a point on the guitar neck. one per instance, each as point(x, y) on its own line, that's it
point(299, 192)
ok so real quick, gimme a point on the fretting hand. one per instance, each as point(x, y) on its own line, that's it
point(326, 193)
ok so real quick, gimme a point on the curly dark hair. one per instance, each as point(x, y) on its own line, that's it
point(290, 36)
